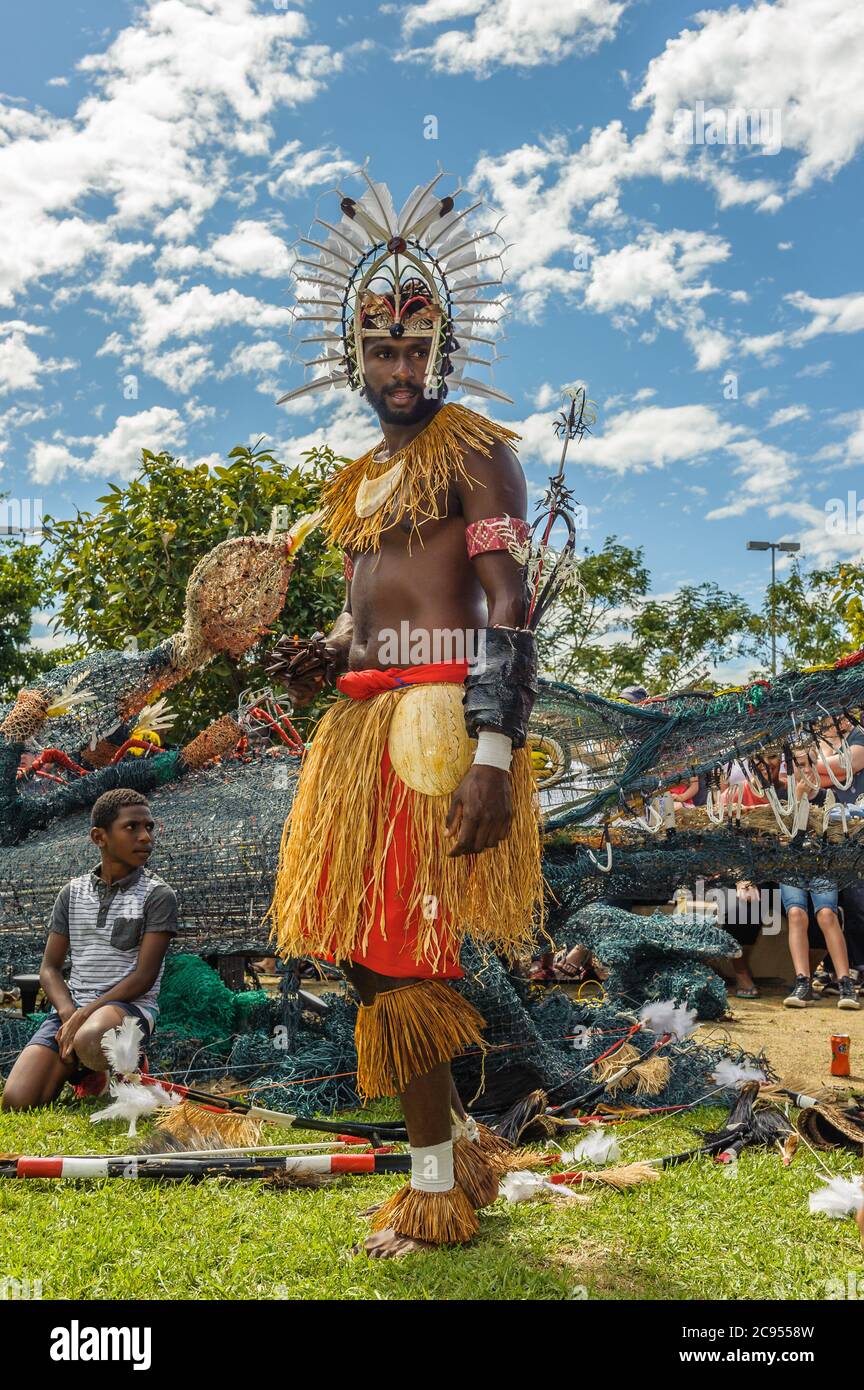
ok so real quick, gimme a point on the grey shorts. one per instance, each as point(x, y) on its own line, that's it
point(46, 1033)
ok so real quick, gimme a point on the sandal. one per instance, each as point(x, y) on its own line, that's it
point(566, 970)
point(748, 993)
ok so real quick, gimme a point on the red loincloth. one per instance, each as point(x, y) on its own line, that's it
point(391, 948)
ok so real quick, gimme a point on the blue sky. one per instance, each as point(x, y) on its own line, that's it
point(158, 160)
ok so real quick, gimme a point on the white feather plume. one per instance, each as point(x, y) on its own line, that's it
point(156, 716)
point(729, 1073)
point(839, 1197)
point(122, 1046)
point(525, 1186)
point(132, 1100)
point(70, 696)
point(668, 1017)
point(596, 1147)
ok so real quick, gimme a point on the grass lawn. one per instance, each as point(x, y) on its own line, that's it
point(696, 1234)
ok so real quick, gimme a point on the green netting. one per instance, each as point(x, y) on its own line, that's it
point(602, 757)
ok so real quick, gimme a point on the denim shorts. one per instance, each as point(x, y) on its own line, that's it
point(821, 890)
point(46, 1033)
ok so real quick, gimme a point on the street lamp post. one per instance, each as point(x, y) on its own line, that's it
point(790, 547)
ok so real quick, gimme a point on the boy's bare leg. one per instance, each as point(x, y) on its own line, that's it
point(88, 1040)
point(36, 1079)
point(834, 940)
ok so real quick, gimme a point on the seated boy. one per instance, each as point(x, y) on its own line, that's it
point(115, 923)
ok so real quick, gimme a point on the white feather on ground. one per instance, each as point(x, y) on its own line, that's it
point(525, 1186)
point(839, 1197)
point(729, 1073)
point(122, 1046)
point(668, 1017)
point(596, 1147)
point(132, 1100)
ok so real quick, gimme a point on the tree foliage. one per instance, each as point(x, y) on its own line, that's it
point(24, 585)
point(812, 621)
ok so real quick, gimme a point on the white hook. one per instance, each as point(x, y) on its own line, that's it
point(604, 868)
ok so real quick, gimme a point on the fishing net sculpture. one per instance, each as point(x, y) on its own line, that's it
point(82, 719)
point(220, 800)
point(602, 766)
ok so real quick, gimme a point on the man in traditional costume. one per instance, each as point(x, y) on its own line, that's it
point(415, 817)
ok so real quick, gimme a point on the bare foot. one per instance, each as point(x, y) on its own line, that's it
point(389, 1245)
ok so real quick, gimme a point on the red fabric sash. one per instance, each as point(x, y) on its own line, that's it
point(360, 685)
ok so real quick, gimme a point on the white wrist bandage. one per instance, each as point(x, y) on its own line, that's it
point(432, 1168)
point(493, 749)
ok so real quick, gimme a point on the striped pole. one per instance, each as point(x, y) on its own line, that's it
point(242, 1166)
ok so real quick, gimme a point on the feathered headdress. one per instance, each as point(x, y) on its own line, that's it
point(421, 273)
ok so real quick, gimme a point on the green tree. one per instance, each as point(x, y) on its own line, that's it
point(24, 585)
point(846, 587)
point(682, 638)
point(810, 617)
point(586, 639)
point(611, 635)
point(121, 574)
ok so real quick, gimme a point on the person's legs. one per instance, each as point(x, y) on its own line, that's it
point(796, 916)
point(426, 1102)
point(37, 1078)
point(853, 920)
point(824, 895)
point(829, 923)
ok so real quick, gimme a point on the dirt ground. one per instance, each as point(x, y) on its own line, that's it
point(797, 1042)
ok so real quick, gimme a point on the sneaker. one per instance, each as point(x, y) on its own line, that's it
point(801, 994)
point(848, 996)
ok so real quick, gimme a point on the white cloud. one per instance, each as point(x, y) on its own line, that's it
point(113, 455)
point(306, 170)
point(349, 429)
point(845, 314)
point(20, 366)
point(635, 440)
point(509, 33)
point(787, 415)
point(182, 79)
point(761, 345)
point(800, 57)
point(766, 471)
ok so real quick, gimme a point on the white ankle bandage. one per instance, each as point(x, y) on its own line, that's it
point(432, 1168)
point(493, 749)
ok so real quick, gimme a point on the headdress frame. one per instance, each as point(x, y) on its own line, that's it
point(429, 238)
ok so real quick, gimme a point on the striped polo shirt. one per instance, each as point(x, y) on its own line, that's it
point(104, 924)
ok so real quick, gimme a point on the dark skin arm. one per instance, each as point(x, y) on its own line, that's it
point(51, 975)
point(481, 810)
point(151, 954)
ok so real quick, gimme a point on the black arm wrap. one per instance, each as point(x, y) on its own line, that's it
point(501, 686)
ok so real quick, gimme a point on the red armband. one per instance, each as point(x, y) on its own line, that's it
point(347, 566)
point(495, 533)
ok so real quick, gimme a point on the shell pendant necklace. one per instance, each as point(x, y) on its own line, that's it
point(372, 493)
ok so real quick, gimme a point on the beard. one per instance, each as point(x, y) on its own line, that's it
point(409, 414)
